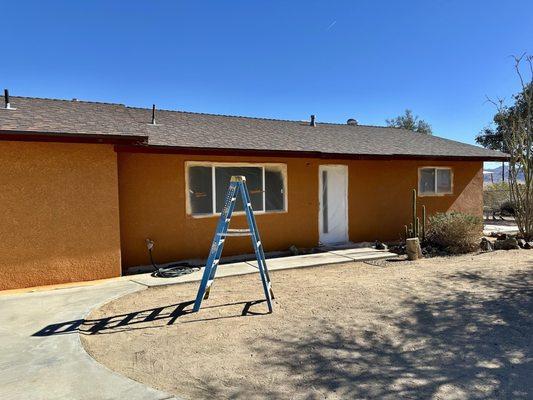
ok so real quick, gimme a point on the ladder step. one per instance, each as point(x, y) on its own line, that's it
point(236, 232)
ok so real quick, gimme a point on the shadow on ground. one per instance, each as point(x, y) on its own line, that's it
point(141, 319)
point(461, 345)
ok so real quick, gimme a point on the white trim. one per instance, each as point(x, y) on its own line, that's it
point(435, 193)
point(321, 168)
point(282, 167)
point(213, 189)
point(264, 190)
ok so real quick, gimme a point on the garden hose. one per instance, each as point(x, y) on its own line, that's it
point(171, 271)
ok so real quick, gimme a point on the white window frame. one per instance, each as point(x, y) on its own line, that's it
point(435, 193)
point(213, 165)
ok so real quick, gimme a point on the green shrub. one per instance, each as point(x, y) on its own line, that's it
point(508, 208)
point(495, 195)
point(455, 232)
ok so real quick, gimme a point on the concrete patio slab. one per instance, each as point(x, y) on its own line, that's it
point(249, 267)
point(307, 260)
point(57, 366)
point(239, 268)
point(364, 254)
point(499, 228)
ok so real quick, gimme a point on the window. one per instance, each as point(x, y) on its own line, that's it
point(208, 183)
point(435, 181)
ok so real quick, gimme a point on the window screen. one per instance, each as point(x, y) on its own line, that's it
point(254, 181)
point(444, 181)
point(274, 193)
point(435, 181)
point(208, 184)
point(201, 190)
point(427, 180)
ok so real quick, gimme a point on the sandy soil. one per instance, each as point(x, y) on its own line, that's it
point(443, 328)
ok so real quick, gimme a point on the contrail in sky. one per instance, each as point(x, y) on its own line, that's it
point(331, 25)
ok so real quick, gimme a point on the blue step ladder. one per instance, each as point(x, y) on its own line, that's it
point(237, 184)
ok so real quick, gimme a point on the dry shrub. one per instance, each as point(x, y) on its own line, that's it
point(455, 232)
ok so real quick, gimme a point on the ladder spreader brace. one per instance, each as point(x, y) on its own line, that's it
point(237, 184)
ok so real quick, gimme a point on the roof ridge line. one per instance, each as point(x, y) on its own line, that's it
point(68, 100)
point(204, 113)
point(262, 118)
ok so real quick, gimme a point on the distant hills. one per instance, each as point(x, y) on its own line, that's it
point(497, 174)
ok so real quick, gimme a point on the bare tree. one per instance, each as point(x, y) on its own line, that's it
point(518, 138)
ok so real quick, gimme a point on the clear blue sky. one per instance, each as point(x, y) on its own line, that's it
point(369, 60)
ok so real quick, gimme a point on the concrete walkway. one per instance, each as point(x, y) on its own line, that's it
point(57, 366)
point(35, 365)
point(250, 267)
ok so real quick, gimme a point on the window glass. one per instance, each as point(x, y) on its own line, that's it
point(201, 190)
point(427, 180)
point(444, 181)
point(274, 193)
point(254, 182)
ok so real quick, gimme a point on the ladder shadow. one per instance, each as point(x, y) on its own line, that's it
point(133, 320)
point(246, 312)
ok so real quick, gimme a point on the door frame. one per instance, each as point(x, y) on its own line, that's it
point(321, 168)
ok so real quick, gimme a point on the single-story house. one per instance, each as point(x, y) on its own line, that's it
point(83, 184)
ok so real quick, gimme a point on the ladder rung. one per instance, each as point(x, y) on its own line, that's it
point(259, 243)
point(236, 232)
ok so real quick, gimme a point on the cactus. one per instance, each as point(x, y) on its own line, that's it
point(423, 223)
point(415, 225)
point(417, 228)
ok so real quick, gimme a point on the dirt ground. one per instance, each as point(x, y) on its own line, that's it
point(442, 328)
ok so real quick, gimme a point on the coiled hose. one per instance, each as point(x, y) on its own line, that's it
point(173, 270)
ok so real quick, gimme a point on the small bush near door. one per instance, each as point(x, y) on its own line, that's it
point(455, 232)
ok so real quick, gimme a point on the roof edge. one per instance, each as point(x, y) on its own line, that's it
point(156, 149)
point(43, 136)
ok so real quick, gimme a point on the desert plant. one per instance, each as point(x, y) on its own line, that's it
point(494, 196)
point(417, 227)
point(515, 126)
point(508, 208)
point(455, 232)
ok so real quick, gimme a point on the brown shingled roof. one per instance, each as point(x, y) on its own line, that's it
point(207, 131)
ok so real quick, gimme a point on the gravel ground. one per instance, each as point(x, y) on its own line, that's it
point(440, 328)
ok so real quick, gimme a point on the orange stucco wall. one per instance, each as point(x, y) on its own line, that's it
point(153, 204)
point(59, 212)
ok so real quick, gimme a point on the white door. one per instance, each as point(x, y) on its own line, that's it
point(333, 204)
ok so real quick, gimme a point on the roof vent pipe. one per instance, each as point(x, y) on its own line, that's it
point(6, 99)
point(313, 121)
point(153, 114)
